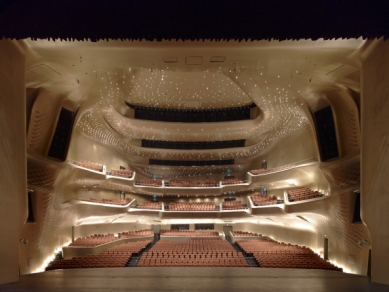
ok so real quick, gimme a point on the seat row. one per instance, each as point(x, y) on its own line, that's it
point(192, 206)
point(117, 256)
point(89, 165)
point(189, 233)
point(271, 170)
point(194, 253)
point(263, 200)
point(191, 250)
point(302, 194)
point(232, 181)
point(150, 205)
point(139, 233)
point(149, 182)
point(193, 263)
point(244, 234)
point(93, 240)
point(122, 173)
point(120, 202)
point(191, 183)
point(232, 205)
point(272, 254)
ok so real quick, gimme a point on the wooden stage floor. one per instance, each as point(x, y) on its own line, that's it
point(191, 279)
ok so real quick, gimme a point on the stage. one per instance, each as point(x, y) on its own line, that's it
point(192, 279)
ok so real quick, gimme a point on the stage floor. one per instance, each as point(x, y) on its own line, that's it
point(190, 279)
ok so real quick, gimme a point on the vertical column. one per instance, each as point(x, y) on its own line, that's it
point(13, 182)
point(375, 155)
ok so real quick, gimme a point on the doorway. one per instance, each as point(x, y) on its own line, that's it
point(227, 229)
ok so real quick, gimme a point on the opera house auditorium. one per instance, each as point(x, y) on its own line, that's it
point(196, 164)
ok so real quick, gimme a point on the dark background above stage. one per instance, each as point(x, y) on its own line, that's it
point(191, 20)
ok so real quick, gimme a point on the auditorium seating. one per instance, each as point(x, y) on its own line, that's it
point(262, 200)
point(187, 183)
point(189, 233)
point(244, 234)
point(150, 205)
point(232, 181)
point(89, 165)
point(192, 253)
point(303, 194)
point(121, 173)
point(149, 182)
point(272, 254)
point(93, 240)
point(263, 171)
point(120, 202)
point(232, 205)
point(117, 256)
point(192, 206)
point(138, 233)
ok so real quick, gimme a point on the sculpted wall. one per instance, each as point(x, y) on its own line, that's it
point(13, 190)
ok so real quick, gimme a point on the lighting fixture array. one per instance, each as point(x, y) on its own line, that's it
point(282, 111)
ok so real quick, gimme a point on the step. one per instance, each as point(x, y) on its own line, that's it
point(133, 262)
point(248, 257)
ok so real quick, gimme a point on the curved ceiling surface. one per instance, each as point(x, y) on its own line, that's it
point(283, 79)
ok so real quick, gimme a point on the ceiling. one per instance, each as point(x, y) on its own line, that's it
point(286, 80)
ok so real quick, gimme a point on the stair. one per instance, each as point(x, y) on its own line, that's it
point(251, 261)
point(58, 256)
point(134, 260)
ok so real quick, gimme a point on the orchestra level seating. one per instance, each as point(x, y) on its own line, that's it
point(193, 253)
point(189, 233)
point(138, 233)
point(272, 254)
point(117, 256)
point(244, 234)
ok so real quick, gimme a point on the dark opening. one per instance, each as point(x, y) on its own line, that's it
point(192, 115)
point(208, 226)
point(326, 134)
point(179, 227)
point(191, 162)
point(326, 248)
point(60, 143)
point(30, 216)
point(192, 145)
point(357, 209)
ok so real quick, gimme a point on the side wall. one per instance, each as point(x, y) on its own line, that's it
point(13, 184)
point(375, 156)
